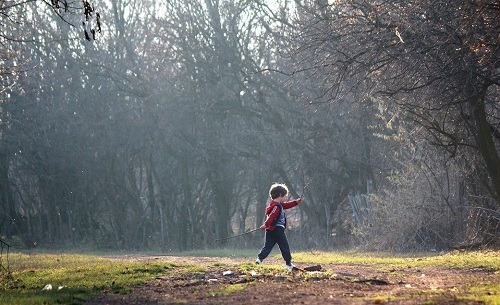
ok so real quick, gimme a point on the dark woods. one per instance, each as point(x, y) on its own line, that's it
point(167, 130)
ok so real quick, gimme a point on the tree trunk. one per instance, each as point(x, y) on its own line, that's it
point(6, 200)
point(484, 140)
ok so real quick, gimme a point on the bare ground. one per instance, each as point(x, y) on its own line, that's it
point(225, 283)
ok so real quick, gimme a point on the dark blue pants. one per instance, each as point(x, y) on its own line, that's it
point(277, 236)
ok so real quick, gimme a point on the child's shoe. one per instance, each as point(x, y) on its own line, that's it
point(290, 267)
point(258, 261)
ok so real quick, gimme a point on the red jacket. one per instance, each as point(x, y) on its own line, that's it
point(273, 210)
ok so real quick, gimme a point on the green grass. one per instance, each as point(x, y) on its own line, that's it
point(489, 260)
point(458, 259)
point(79, 276)
point(82, 276)
point(229, 289)
point(487, 293)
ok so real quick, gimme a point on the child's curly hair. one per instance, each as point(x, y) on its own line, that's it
point(278, 190)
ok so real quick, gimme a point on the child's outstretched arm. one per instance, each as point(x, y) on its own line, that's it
point(291, 204)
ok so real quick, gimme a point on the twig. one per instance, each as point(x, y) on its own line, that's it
point(233, 236)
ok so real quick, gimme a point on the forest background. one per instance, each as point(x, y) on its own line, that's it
point(166, 130)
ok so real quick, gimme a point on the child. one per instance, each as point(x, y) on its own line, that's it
point(275, 224)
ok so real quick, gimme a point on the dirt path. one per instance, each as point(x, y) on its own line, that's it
point(224, 283)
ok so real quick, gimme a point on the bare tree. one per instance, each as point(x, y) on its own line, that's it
point(437, 62)
point(433, 65)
